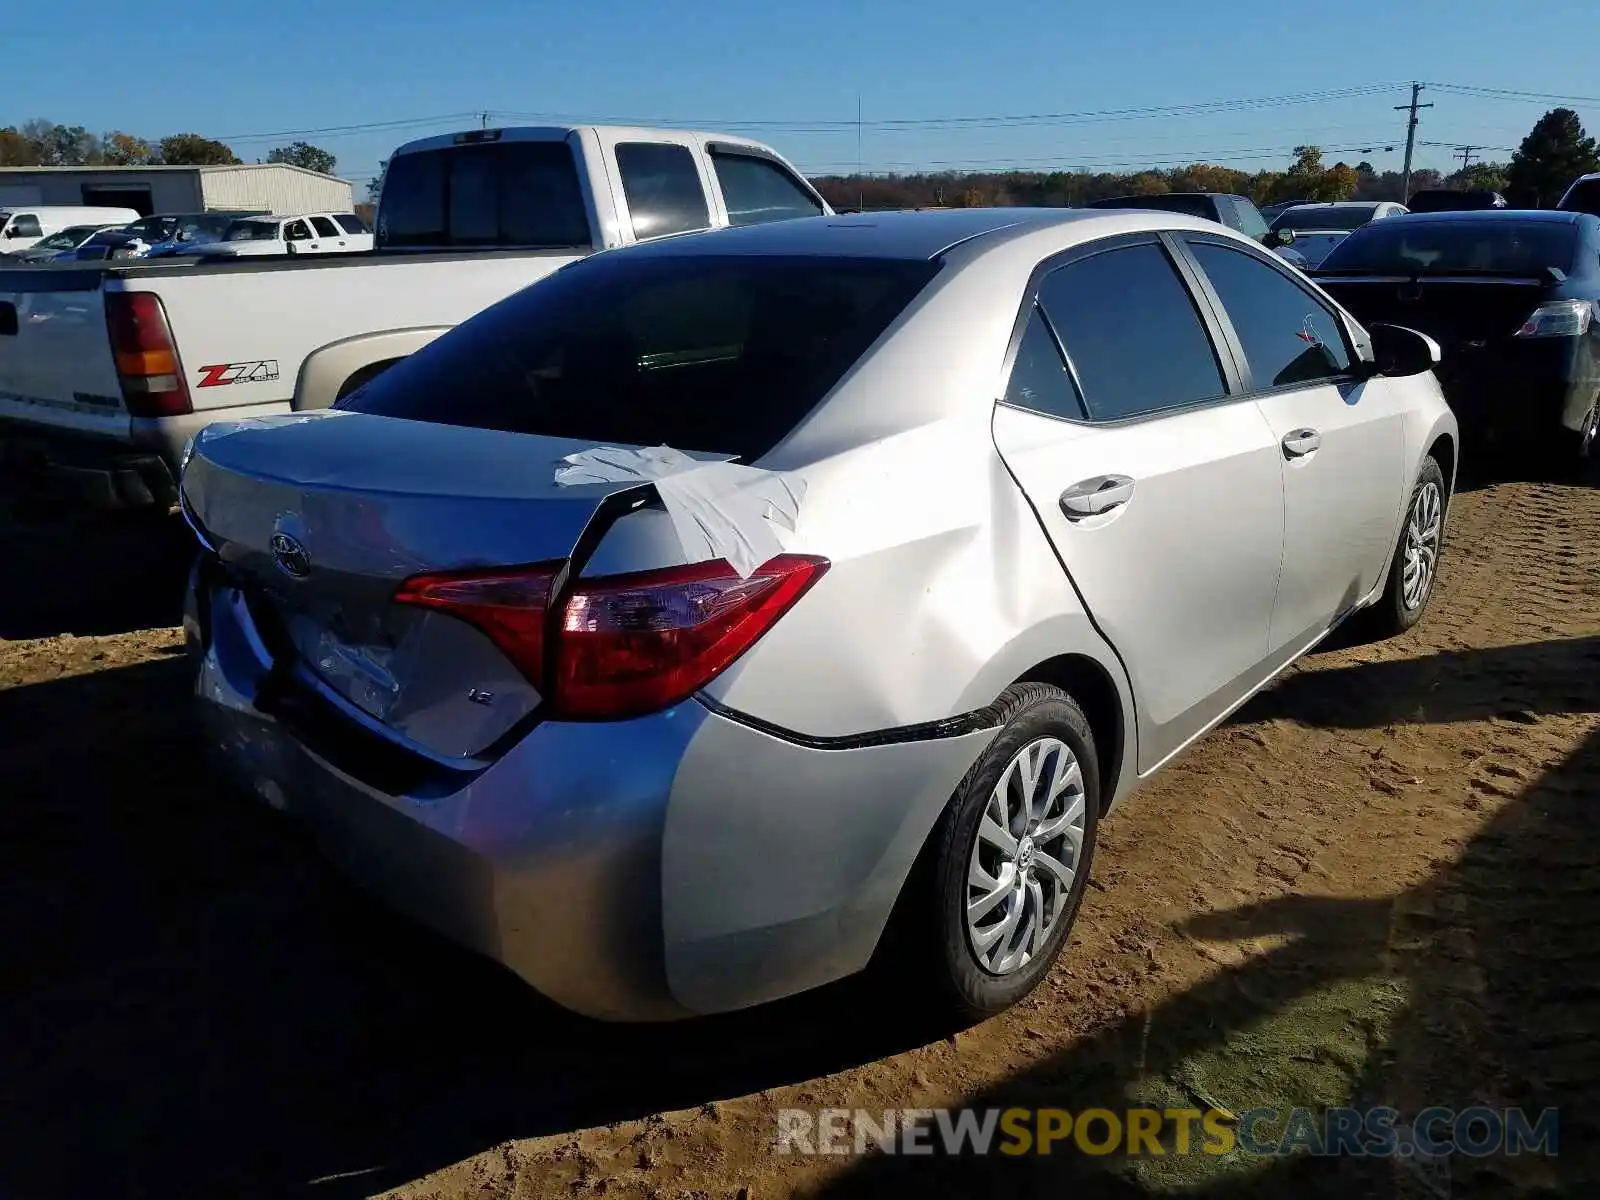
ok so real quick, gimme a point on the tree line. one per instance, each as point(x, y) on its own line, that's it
point(1556, 151)
point(42, 143)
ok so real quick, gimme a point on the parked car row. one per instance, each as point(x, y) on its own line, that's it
point(101, 235)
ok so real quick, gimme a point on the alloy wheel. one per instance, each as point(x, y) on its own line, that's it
point(1424, 524)
point(1025, 856)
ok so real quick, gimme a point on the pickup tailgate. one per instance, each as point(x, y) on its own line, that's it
point(56, 366)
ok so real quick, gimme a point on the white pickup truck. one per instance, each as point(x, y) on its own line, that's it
point(107, 371)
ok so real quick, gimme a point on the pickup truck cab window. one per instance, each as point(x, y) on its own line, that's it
point(25, 225)
point(756, 189)
point(324, 227)
point(510, 193)
point(662, 185)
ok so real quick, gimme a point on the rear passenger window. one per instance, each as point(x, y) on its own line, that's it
point(662, 185)
point(1132, 332)
point(756, 190)
point(1039, 379)
point(1289, 336)
point(324, 227)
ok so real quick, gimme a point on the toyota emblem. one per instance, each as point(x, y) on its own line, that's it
point(290, 556)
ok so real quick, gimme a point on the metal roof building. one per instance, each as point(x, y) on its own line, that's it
point(273, 187)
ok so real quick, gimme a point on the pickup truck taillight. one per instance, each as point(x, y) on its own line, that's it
point(622, 645)
point(147, 360)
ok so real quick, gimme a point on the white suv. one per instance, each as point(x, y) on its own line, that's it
point(311, 233)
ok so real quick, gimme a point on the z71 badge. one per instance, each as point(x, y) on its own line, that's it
point(221, 374)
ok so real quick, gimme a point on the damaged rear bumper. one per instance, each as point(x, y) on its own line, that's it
point(677, 864)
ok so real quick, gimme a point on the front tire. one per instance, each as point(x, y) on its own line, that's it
point(1012, 853)
point(1414, 570)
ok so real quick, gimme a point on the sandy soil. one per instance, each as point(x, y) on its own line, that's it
point(1377, 884)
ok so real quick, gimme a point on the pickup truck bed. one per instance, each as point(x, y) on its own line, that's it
point(61, 403)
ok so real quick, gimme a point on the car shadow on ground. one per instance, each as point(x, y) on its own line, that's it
point(1480, 986)
point(195, 1005)
point(92, 574)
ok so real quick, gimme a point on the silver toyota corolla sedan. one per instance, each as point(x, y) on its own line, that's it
point(692, 625)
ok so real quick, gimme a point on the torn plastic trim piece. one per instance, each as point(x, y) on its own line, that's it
point(924, 731)
point(719, 509)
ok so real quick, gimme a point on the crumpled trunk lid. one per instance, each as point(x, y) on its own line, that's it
point(318, 518)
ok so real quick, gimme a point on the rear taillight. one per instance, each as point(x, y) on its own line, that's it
point(510, 605)
point(1558, 318)
point(146, 357)
point(622, 645)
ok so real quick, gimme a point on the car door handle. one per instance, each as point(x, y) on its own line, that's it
point(1301, 443)
point(1094, 496)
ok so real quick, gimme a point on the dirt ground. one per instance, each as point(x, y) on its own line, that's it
point(1378, 884)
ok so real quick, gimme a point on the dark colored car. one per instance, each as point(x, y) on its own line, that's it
point(1509, 295)
point(1236, 212)
point(1448, 200)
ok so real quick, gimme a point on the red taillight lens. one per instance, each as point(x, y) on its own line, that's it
point(508, 605)
point(624, 645)
point(632, 644)
point(147, 360)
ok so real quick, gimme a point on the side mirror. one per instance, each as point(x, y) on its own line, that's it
point(1283, 237)
point(11, 233)
point(1398, 352)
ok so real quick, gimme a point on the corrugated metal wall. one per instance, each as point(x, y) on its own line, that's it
point(278, 189)
point(169, 191)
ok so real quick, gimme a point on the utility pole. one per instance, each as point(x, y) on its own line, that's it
point(483, 120)
point(861, 186)
point(1466, 153)
point(1411, 138)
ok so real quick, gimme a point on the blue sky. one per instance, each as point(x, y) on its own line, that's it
point(297, 65)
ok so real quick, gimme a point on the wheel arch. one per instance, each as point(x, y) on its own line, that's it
point(1443, 451)
point(326, 371)
point(1092, 686)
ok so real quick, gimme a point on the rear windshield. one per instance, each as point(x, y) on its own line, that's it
point(1584, 197)
point(710, 353)
point(1312, 217)
point(1446, 201)
point(490, 194)
point(1455, 247)
point(1194, 206)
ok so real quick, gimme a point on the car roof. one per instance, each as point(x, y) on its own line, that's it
point(1550, 216)
point(925, 234)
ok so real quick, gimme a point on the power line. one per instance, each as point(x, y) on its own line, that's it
point(1204, 108)
point(363, 127)
point(1510, 94)
point(1069, 162)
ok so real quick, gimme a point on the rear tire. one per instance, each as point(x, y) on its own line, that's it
point(1010, 858)
point(1414, 569)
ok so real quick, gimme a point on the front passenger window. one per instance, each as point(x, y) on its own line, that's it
point(1289, 336)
